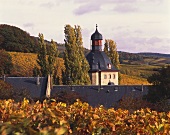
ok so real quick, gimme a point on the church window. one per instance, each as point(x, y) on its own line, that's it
point(114, 76)
point(110, 76)
point(105, 76)
point(109, 66)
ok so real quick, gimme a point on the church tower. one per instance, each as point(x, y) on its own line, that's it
point(96, 39)
point(101, 70)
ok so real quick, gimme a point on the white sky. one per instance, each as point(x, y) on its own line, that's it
point(135, 25)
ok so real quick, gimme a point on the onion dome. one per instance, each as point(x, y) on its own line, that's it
point(96, 35)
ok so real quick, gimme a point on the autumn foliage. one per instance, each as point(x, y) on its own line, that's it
point(5, 62)
point(5, 90)
point(78, 118)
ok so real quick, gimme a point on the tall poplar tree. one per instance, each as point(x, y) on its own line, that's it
point(83, 63)
point(49, 62)
point(114, 56)
point(41, 57)
point(69, 51)
point(76, 64)
point(106, 47)
point(52, 57)
point(110, 49)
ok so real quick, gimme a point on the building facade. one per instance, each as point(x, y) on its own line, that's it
point(102, 71)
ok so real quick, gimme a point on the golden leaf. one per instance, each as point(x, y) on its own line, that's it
point(168, 114)
point(95, 116)
point(60, 131)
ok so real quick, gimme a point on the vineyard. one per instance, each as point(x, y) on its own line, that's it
point(78, 118)
point(24, 63)
point(130, 80)
point(141, 71)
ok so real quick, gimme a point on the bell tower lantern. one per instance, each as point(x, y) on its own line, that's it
point(96, 38)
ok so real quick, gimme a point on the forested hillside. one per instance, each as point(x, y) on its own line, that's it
point(129, 57)
point(155, 54)
point(144, 58)
point(17, 40)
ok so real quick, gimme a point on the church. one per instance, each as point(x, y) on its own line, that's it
point(102, 71)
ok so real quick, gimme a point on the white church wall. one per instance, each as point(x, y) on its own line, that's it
point(95, 78)
point(107, 77)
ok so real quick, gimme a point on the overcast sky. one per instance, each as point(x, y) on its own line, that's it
point(135, 25)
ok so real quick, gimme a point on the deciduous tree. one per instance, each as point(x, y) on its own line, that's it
point(59, 71)
point(41, 58)
point(50, 64)
point(110, 49)
point(83, 64)
point(76, 65)
point(106, 47)
point(5, 62)
point(52, 57)
point(161, 85)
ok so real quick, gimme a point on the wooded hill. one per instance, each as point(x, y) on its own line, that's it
point(149, 54)
point(14, 39)
point(144, 58)
point(17, 40)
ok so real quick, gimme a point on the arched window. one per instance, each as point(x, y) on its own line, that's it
point(114, 76)
point(110, 76)
point(109, 66)
point(105, 76)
